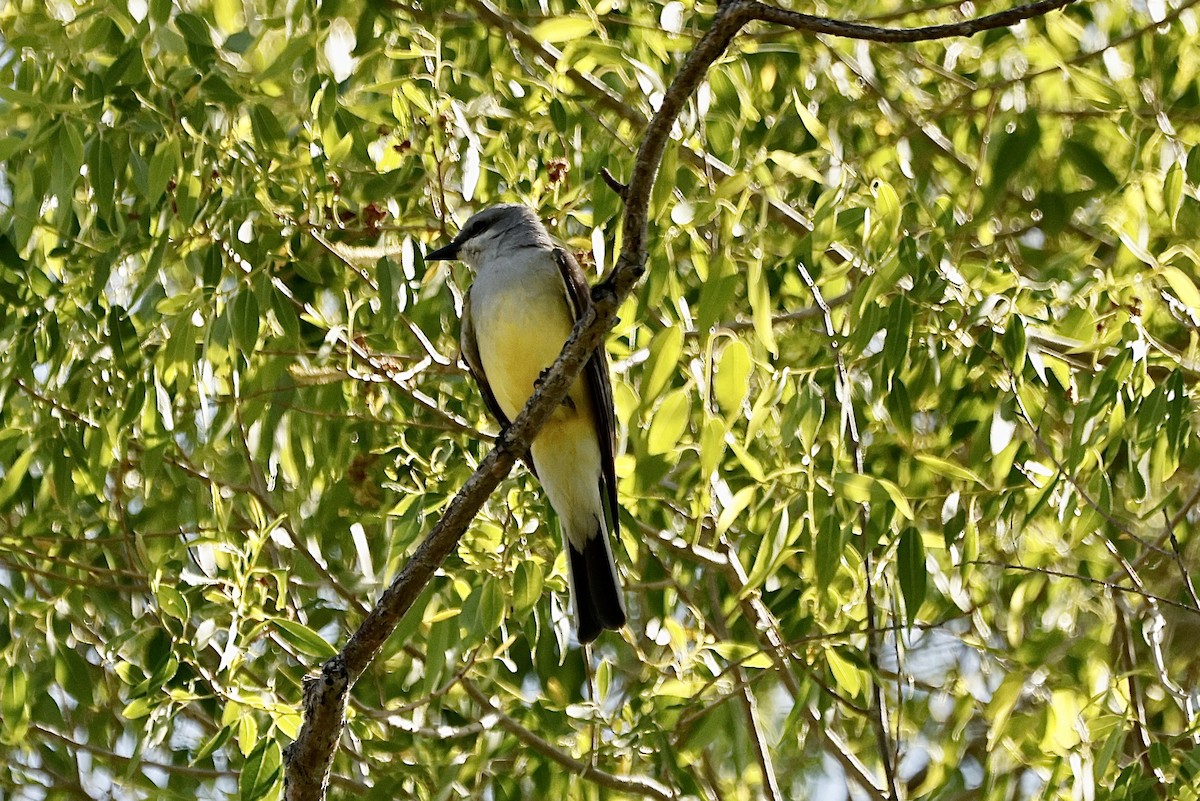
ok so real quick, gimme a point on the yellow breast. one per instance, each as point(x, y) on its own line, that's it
point(520, 332)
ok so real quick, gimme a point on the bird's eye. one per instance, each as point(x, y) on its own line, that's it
point(474, 229)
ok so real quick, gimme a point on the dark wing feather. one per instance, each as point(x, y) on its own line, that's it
point(470, 353)
point(596, 378)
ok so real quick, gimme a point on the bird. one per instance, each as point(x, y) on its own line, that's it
point(517, 314)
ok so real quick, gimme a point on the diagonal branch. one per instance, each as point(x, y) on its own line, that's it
point(310, 758)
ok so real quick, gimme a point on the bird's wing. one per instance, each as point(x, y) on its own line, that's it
point(596, 378)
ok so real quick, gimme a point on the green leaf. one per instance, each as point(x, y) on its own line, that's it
point(193, 28)
point(172, 602)
point(261, 775)
point(138, 708)
point(743, 655)
point(885, 227)
point(247, 733)
point(492, 605)
point(187, 199)
point(102, 176)
point(761, 306)
point(1183, 287)
point(212, 744)
point(483, 611)
point(164, 165)
point(899, 333)
point(243, 312)
point(303, 639)
point(910, 564)
point(14, 704)
point(441, 634)
point(712, 445)
point(948, 468)
point(669, 422)
point(845, 674)
point(895, 495)
point(15, 475)
point(527, 587)
point(1173, 192)
point(1013, 343)
point(285, 315)
point(854, 487)
point(267, 130)
point(558, 114)
point(716, 295)
point(562, 28)
point(386, 277)
point(899, 406)
point(731, 381)
point(830, 542)
point(662, 364)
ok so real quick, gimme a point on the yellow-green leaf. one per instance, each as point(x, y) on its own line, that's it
point(562, 29)
point(303, 639)
point(663, 362)
point(732, 375)
point(845, 674)
point(668, 423)
point(15, 474)
point(948, 468)
point(1183, 287)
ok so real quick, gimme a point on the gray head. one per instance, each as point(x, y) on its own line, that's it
point(495, 229)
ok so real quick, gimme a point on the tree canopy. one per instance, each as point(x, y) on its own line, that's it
point(906, 401)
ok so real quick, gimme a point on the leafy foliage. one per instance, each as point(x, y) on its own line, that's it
point(227, 418)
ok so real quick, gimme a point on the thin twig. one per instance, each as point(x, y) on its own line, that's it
point(1137, 710)
point(807, 23)
point(613, 183)
point(1185, 574)
point(850, 426)
point(749, 703)
point(638, 785)
point(757, 612)
point(1108, 585)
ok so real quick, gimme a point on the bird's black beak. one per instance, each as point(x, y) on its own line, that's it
point(447, 253)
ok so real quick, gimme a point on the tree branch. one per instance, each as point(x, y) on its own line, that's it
point(808, 23)
point(310, 758)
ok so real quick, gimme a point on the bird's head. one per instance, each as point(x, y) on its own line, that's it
point(491, 232)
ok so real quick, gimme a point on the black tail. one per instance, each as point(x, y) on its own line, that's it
point(598, 603)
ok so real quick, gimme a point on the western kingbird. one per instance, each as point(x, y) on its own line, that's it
point(516, 317)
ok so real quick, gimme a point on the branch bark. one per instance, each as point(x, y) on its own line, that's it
point(808, 23)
